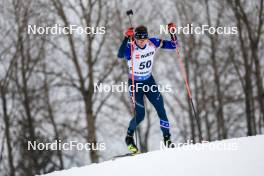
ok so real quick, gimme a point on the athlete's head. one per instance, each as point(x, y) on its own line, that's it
point(141, 35)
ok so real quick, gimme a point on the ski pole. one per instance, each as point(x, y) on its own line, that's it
point(130, 12)
point(184, 74)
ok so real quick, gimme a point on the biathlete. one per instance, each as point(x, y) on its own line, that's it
point(143, 51)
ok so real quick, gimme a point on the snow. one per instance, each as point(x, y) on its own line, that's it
point(232, 157)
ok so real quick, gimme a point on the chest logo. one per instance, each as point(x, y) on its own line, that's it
point(147, 54)
point(137, 56)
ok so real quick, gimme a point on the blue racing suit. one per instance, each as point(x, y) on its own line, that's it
point(143, 80)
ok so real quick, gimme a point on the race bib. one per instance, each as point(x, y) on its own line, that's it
point(143, 60)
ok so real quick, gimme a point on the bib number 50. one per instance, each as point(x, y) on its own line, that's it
point(143, 65)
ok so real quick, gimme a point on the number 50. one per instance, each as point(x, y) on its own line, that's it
point(143, 65)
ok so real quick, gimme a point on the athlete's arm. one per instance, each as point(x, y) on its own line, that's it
point(122, 48)
point(165, 44)
point(169, 44)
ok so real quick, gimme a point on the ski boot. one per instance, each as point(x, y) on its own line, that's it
point(167, 141)
point(131, 144)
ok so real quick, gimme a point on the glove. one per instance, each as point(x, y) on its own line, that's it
point(130, 32)
point(171, 26)
point(172, 29)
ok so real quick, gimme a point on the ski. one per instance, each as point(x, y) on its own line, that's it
point(125, 155)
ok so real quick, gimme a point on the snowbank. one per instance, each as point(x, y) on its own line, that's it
point(233, 157)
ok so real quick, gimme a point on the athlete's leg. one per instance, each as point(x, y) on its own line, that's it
point(139, 110)
point(156, 100)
